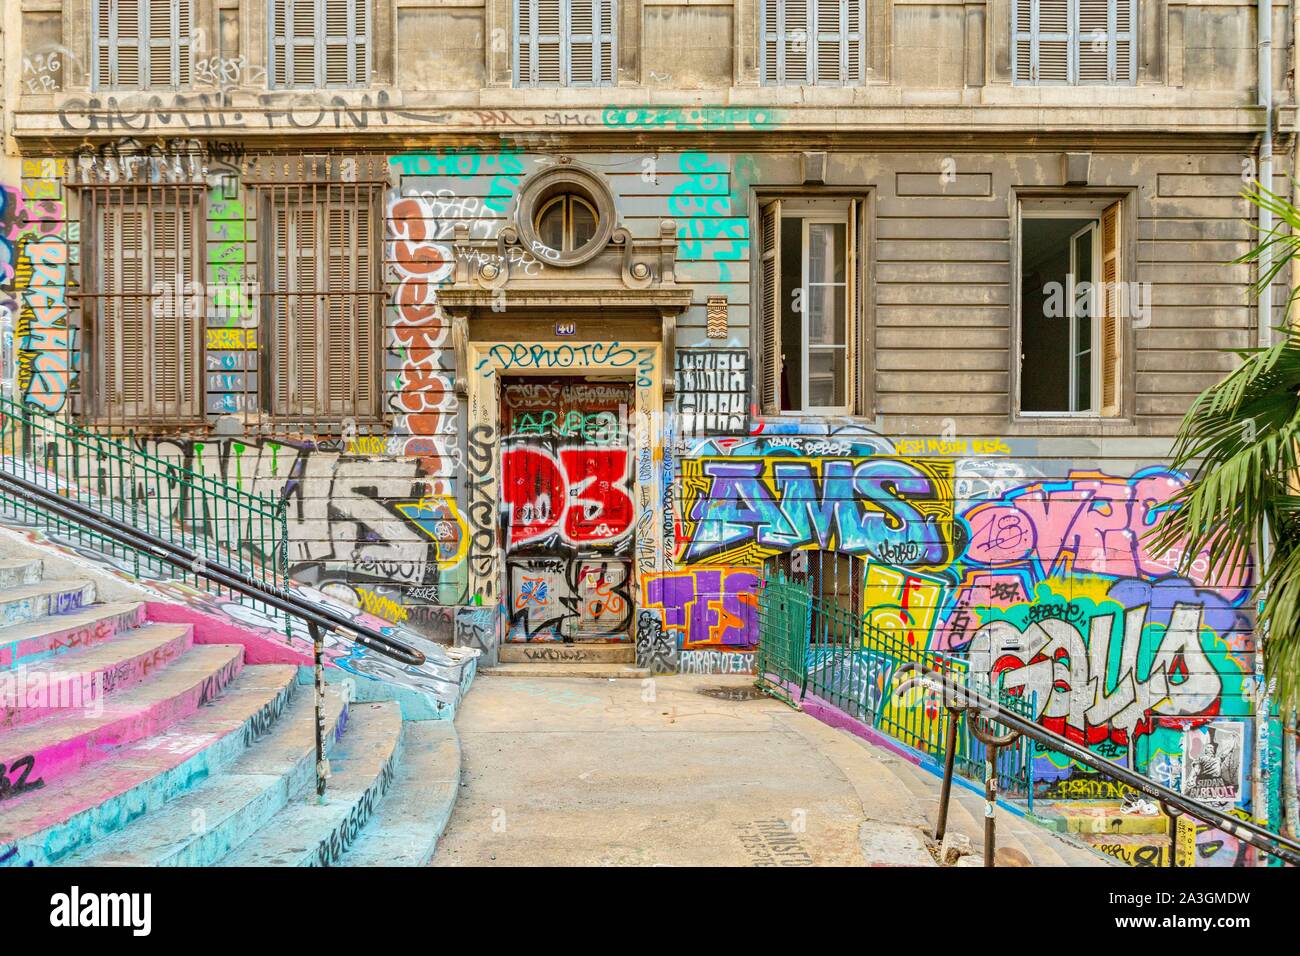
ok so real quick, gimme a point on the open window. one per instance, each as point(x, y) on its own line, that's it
point(809, 331)
point(1071, 294)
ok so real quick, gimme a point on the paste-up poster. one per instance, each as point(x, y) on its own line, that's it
point(1212, 762)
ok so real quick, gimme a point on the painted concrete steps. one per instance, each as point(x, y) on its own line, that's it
point(15, 572)
point(555, 652)
point(606, 671)
point(58, 746)
point(33, 641)
point(45, 825)
point(219, 814)
point(77, 678)
point(28, 602)
point(308, 833)
point(406, 826)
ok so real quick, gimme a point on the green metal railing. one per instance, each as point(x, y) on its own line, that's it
point(200, 513)
point(810, 645)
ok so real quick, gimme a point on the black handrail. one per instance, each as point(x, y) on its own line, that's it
point(316, 615)
point(964, 697)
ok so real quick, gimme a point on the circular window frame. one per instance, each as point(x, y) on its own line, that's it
point(550, 183)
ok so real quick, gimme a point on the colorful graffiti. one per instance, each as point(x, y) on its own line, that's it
point(707, 607)
point(740, 511)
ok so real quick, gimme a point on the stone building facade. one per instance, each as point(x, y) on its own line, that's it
point(563, 323)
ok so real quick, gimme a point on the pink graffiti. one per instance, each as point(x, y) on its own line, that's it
point(1086, 523)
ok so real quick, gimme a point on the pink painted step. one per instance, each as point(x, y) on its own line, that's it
point(31, 601)
point(50, 688)
point(28, 643)
point(38, 754)
point(43, 826)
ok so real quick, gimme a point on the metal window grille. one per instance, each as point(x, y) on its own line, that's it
point(142, 304)
point(322, 302)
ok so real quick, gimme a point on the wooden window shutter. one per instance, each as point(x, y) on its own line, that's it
point(122, 312)
point(796, 41)
point(346, 42)
point(1111, 343)
point(1052, 42)
point(350, 328)
point(539, 42)
point(770, 49)
point(301, 45)
point(126, 45)
point(1022, 47)
point(769, 313)
point(279, 42)
point(857, 338)
point(173, 341)
point(1124, 58)
point(296, 311)
point(837, 52)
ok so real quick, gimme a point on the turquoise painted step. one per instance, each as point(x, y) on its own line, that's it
point(101, 670)
point(49, 636)
point(15, 572)
point(207, 822)
point(46, 825)
point(406, 827)
point(307, 833)
point(31, 601)
point(58, 746)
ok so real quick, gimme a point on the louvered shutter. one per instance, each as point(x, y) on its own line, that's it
point(856, 332)
point(172, 337)
point(1074, 41)
point(121, 309)
point(126, 45)
point(1052, 42)
point(565, 42)
point(347, 42)
point(1111, 353)
point(769, 314)
point(812, 42)
point(296, 311)
point(350, 327)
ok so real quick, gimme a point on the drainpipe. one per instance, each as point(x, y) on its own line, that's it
point(1264, 310)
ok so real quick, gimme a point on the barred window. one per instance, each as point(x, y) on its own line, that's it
point(565, 42)
point(812, 42)
point(320, 43)
point(324, 302)
point(141, 44)
point(143, 304)
point(1072, 42)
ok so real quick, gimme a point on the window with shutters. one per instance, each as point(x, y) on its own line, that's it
point(142, 302)
point(565, 42)
point(141, 44)
point(809, 333)
point(1071, 293)
point(1074, 41)
point(320, 43)
point(322, 303)
point(812, 42)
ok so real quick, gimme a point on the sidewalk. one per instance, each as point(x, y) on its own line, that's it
point(559, 771)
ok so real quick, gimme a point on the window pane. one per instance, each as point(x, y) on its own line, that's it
point(826, 324)
point(584, 224)
point(826, 252)
point(826, 378)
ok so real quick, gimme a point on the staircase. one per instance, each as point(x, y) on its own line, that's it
point(123, 742)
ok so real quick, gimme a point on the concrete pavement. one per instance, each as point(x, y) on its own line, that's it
point(680, 770)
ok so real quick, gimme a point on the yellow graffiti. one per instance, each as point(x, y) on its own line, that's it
point(431, 514)
point(232, 338)
point(381, 606)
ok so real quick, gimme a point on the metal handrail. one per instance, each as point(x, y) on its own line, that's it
point(316, 615)
point(980, 706)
